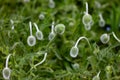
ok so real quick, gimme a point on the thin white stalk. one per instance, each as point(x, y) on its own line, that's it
point(12, 22)
point(86, 7)
point(80, 38)
point(30, 25)
point(52, 33)
point(7, 60)
point(15, 44)
point(115, 37)
point(101, 21)
point(98, 74)
point(36, 27)
point(101, 17)
point(51, 1)
point(52, 29)
point(45, 55)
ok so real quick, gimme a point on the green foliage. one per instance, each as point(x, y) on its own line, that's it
point(59, 65)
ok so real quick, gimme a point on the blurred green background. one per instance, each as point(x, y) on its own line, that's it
point(58, 64)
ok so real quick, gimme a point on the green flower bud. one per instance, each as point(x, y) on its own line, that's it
point(108, 69)
point(60, 29)
point(51, 4)
point(42, 16)
point(31, 40)
point(101, 21)
point(105, 38)
point(87, 26)
point(39, 33)
point(74, 52)
point(87, 19)
point(6, 71)
point(75, 66)
point(51, 36)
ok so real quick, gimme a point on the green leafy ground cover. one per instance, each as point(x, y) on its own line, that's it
point(59, 65)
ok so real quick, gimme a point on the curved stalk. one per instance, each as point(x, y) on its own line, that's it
point(115, 37)
point(36, 27)
point(12, 22)
point(45, 55)
point(101, 17)
point(6, 65)
point(80, 38)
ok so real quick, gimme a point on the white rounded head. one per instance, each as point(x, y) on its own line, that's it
point(87, 27)
point(101, 23)
point(74, 52)
point(41, 16)
point(76, 66)
point(39, 35)
point(87, 19)
point(60, 28)
point(31, 40)
point(51, 4)
point(104, 38)
point(51, 36)
point(6, 73)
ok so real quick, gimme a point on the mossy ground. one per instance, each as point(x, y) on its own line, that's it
point(58, 64)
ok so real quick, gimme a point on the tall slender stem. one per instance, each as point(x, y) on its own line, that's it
point(36, 26)
point(98, 74)
point(86, 7)
point(45, 55)
point(12, 22)
point(30, 25)
point(7, 60)
point(100, 15)
point(80, 38)
point(52, 29)
point(115, 37)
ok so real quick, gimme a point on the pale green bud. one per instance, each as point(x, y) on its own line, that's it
point(74, 52)
point(6, 73)
point(60, 29)
point(87, 19)
point(104, 38)
point(39, 33)
point(31, 40)
point(51, 36)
